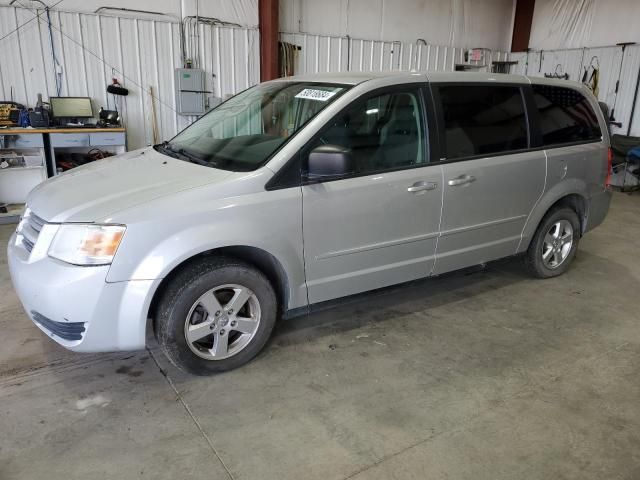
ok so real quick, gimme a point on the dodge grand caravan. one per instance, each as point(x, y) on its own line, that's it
point(304, 190)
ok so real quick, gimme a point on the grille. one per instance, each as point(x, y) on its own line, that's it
point(31, 226)
point(65, 330)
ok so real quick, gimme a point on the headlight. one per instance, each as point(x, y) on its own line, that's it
point(86, 244)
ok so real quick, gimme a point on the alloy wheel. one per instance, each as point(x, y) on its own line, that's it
point(222, 322)
point(557, 244)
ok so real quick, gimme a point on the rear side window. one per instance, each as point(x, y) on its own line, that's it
point(565, 116)
point(483, 119)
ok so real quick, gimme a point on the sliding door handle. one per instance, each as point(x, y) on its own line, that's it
point(422, 187)
point(461, 180)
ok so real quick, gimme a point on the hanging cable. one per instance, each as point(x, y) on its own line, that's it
point(100, 59)
point(197, 59)
point(56, 65)
point(57, 68)
point(416, 55)
point(22, 25)
point(93, 54)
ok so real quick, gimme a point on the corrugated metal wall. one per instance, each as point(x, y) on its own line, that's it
point(323, 53)
point(613, 66)
point(140, 53)
point(143, 53)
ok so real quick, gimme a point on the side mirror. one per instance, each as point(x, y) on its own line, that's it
point(328, 162)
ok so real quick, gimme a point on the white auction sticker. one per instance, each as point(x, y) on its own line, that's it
point(313, 94)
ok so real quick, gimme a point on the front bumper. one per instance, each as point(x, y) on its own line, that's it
point(114, 314)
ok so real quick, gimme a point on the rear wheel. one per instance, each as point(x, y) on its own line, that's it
point(554, 244)
point(215, 316)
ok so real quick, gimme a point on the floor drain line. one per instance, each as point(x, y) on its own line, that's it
point(190, 413)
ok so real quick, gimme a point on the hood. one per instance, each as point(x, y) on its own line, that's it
point(95, 191)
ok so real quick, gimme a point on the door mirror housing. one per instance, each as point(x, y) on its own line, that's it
point(329, 162)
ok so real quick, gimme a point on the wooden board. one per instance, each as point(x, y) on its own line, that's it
point(23, 131)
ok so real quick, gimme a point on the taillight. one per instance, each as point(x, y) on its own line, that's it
point(607, 182)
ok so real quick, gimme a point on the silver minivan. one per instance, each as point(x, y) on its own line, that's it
point(305, 190)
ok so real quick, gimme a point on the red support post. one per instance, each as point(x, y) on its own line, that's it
point(268, 20)
point(522, 25)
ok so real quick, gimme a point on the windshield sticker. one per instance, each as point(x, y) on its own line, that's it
point(314, 94)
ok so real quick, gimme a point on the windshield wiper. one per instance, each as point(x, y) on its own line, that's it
point(180, 154)
point(165, 149)
point(191, 157)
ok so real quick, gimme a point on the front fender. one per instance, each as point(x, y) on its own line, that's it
point(269, 221)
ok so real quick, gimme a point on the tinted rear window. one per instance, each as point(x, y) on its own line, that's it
point(565, 115)
point(483, 119)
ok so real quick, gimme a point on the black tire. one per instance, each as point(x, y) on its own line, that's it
point(533, 257)
point(186, 288)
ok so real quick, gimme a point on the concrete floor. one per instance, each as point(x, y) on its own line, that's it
point(490, 375)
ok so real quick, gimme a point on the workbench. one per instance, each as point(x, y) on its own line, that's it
point(43, 149)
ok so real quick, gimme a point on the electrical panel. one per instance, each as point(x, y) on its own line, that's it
point(190, 91)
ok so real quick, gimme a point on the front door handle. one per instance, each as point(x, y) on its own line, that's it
point(461, 180)
point(422, 187)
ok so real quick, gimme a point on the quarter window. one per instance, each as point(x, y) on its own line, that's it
point(482, 120)
point(384, 132)
point(565, 115)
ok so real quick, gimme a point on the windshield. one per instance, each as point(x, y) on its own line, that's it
point(243, 132)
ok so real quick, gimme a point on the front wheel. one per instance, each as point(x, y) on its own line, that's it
point(554, 244)
point(215, 315)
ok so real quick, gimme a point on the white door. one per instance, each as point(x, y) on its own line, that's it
point(491, 180)
point(379, 226)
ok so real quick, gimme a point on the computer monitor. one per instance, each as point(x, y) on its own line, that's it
point(71, 107)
